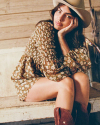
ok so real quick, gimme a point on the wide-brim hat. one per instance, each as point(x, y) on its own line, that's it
point(78, 7)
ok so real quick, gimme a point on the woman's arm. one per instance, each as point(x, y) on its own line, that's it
point(61, 35)
point(63, 44)
point(40, 55)
point(55, 68)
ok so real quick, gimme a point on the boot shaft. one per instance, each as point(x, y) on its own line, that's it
point(63, 117)
point(82, 114)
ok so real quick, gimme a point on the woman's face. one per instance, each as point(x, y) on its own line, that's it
point(62, 17)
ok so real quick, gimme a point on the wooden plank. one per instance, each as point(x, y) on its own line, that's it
point(96, 85)
point(16, 32)
point(90, 35)
point(94, 93)
point(94, 3)
point(7, 44)
point(20, 6)
point(23, 18)
point(95, 104)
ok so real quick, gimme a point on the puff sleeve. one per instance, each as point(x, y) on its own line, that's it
point(40, 57)
point(77, 60)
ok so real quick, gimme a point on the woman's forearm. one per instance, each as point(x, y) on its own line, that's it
point(64, 46)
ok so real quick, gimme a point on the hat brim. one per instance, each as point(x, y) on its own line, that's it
point(82, 13)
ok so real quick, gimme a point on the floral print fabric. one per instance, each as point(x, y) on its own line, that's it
point(40, 60)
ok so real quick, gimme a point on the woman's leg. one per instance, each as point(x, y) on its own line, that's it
point(45, 89)
point(65, 96)
point(81, 81)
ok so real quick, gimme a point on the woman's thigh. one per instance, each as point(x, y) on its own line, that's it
point(43, 89)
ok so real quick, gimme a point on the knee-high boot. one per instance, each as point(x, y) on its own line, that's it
point(63, 117)
point(82, 114)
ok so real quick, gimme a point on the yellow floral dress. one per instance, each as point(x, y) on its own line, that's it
point(40, 60)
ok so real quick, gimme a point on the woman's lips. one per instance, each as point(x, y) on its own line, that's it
point(58, 24)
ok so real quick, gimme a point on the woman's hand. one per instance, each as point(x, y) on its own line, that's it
point(73, 25)
point(61, 33)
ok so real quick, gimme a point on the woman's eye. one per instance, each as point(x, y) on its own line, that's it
point(69, 16)
point(59, 11)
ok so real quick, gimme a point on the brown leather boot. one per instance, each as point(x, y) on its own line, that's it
point(82, 114)
point(63, 117)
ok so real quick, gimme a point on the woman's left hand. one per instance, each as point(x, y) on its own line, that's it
point(73, 25)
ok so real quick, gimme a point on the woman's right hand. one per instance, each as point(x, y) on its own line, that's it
point(64, 31)
point(61, 33)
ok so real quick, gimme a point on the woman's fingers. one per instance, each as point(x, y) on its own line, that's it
point(75, 22)
point(70, 27)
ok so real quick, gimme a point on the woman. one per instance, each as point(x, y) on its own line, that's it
point(55, 62)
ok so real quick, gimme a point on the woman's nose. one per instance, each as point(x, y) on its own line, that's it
point(61, 17)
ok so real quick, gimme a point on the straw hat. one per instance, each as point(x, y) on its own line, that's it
point(78, 7)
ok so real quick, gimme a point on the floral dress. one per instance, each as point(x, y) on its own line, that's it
point(40, 60)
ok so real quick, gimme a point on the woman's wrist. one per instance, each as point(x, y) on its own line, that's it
point(64, 46)
point(61, 35)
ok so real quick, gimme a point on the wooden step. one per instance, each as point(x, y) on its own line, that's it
point(11, 109)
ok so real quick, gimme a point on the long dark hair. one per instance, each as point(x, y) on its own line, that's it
point(75, 38)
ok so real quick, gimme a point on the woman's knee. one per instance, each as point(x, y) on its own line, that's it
point(67, 84)
point(81, 78)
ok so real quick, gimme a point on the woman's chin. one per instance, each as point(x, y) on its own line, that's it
point(57, 27)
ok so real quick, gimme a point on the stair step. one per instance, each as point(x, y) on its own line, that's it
point(11, 109)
